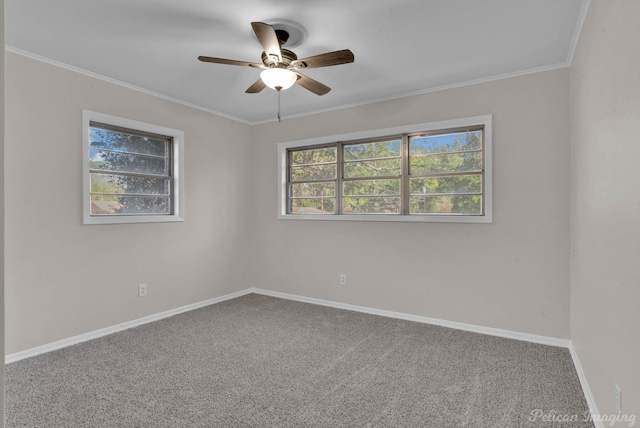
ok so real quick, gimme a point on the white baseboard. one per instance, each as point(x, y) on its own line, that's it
point(585, 388)
point(544, 340)
point(118, 327)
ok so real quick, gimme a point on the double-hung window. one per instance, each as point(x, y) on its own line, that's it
point(132, 171)
point(428, 172)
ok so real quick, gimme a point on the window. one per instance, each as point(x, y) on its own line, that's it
point(428, 172)
point(132, 171)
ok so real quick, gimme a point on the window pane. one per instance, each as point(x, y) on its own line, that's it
point(303, 157)
point(126, 162)
point(371, 205)
point(455, 184)
point(371, 187)
point(371, 197)
point(113, 183)
point(313, 172)
point(462, 204)
point(373, 168)
point(313, 206)
point(123, 142)
point(130, 205)
point(105, 205)
point(449, 162)
point(380, 149)
point(459, 141)
point(312, 189)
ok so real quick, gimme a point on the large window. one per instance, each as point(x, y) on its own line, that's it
point(132, 171)
point(428, 172)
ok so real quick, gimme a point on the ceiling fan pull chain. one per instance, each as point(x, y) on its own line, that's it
point(279, 107)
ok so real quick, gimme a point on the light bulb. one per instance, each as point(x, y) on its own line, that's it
point(278, 78)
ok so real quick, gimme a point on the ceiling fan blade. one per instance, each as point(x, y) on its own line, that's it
point(344, 56)
point(256, 87)
point(267, 37)
point(230, 62)
point(312, 85)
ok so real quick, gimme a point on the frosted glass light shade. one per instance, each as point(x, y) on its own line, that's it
point(278, 78)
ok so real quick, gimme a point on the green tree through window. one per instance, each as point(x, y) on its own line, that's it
point(130, 172)
point(435, 173)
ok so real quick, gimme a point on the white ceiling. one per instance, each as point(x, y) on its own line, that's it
point(400, 46)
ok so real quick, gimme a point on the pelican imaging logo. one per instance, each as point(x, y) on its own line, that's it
point(539, 415)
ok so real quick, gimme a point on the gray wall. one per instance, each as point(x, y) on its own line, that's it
point(512, 274)
point(605, 203)
point(64, 278)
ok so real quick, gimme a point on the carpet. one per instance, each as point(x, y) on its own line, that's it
point(259, 361)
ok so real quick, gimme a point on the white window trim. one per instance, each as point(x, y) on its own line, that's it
point(485, 120)
point(177, 170)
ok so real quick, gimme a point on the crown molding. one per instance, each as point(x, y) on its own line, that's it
point(36, 57)
point(88, 73)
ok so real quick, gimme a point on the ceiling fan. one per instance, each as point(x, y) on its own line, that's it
point(280, 67)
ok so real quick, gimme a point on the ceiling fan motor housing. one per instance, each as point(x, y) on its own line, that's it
point(287, 58)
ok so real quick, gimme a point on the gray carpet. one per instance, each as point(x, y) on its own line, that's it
point(258, 361)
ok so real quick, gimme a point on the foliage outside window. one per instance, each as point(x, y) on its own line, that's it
point(131, 171)
point(445, 173)
point(425, 174)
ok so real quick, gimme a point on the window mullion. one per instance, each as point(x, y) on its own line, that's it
point(404, 183)
point(339, 176)
point(289, 207)
point(128, 174)
point(324, 180)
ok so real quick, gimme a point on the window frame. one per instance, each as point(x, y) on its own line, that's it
point(484, 121)
point(176, 169)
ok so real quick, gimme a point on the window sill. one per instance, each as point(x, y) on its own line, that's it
point(132, 219)
point(391, 218)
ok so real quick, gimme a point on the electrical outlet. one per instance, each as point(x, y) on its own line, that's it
point(617, 393)
point(343, 279)
point(142, 290)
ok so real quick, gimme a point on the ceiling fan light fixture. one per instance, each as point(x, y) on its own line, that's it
point(278, 78)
